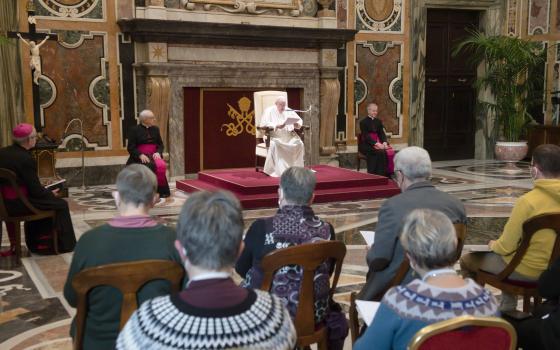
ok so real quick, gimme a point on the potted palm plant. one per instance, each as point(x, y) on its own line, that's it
point(510, 64)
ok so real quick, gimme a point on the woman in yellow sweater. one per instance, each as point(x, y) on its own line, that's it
point(544, 198)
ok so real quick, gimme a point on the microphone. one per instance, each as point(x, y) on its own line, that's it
point(288, 109)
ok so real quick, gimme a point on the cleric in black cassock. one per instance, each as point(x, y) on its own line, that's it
point(370, 147)
point(38, 234)
point(146, 147)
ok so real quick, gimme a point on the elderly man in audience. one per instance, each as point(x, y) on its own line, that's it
point(430, 243)
point(544, 198)
point(38, 234)
point(413, 169)
point(145, 146)
point(294, 224)
point(212, 312)
point(132, 235)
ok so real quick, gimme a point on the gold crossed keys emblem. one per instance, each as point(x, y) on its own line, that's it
point(243, 119)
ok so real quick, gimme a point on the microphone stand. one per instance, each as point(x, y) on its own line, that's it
point(82, 147)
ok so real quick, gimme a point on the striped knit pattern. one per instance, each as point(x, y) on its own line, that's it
point(168, 323)
point(424, 302)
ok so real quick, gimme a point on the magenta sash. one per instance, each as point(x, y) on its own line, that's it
point(8, 192)
point(390, 152)
point(149, 149)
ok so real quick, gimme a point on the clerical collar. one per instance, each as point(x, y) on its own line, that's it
point(370, 117)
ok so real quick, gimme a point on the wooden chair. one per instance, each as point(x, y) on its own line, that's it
point(309, 257)
point(360, 156)
point(460, 230)
point(8, 179)
point(128, 278)
point(502, 280)
point(466, 332)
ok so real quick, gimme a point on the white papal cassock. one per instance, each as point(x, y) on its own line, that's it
point(286, 148)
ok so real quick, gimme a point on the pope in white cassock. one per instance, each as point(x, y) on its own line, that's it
point(286, 148)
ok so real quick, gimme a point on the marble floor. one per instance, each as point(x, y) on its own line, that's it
point(34, 314)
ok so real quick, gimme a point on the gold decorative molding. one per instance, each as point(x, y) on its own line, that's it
point(330, 93)
point(158, 101)
point(255, 7)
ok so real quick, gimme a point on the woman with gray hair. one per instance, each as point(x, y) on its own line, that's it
point(294, 224)
point(212, 312)
point(430, 242)
point(146, 147)
point(132, 235)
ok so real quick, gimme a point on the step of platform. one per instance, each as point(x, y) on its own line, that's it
point(264, 200)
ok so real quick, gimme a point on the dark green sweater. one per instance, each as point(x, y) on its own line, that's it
point(106, 245)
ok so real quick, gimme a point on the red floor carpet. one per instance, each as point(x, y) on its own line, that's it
point(257, 190)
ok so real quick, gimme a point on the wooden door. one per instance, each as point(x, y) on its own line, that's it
point(450, 97)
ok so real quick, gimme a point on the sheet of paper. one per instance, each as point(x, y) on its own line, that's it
point(291, 120)
point(478, 248)
point(55, 183)
point(369, 236)
point(367, 310)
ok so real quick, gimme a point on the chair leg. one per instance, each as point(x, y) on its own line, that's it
point(55, 241)
point(526, 303)
point(322, 344)
point(17, 240)
point(537, 300)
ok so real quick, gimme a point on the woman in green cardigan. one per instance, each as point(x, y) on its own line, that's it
point(131, 236)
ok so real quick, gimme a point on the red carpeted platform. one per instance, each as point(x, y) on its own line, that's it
point(257, 190)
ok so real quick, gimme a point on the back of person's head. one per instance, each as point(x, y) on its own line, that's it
point(22, 133)
point(210, 228)
point(547, 159)
point(429, 238)
point(137, 185)
point(414, 163)
point(297, 184)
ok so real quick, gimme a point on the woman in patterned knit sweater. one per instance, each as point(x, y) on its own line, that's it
point(212, 312)
point(430, 242)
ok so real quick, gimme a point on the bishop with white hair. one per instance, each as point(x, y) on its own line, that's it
point(286, 148)
point(146, 147)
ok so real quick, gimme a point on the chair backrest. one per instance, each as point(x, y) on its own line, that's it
point(466, 332)
point(402, 271)
point(530, 227)
point(9, 179)
point(308, 257)
point(128, 278)
point(263, 100)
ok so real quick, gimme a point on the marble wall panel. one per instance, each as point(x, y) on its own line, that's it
point(75, 72)
point(538, 16)
point(342, 13)
point(512, 17)
point(378, 67)
point(90, 9)
point(379, 15)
